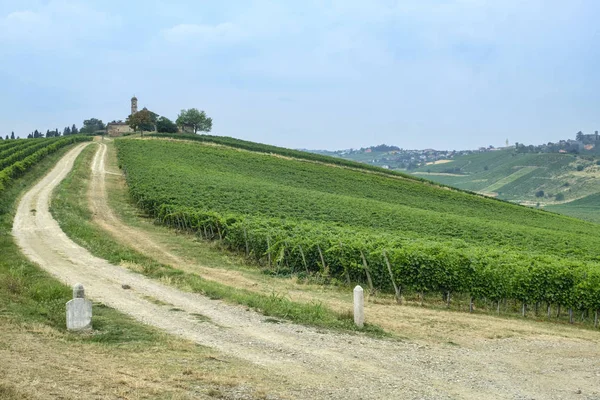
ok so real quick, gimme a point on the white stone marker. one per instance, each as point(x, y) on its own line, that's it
point(359, 306)
point(79, 310)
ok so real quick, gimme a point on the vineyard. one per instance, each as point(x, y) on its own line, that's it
point(382, 230)
point(17, 156)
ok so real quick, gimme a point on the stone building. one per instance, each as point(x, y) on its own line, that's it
point(119, 128)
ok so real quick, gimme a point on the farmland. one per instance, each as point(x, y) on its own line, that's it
point(554, 181)
point(389, 232)
point(18, 156)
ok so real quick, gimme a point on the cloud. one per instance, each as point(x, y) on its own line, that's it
point(199, 34)
point(58, 24)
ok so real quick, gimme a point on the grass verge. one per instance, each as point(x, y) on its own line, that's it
point(70, 208)
point(30, 295)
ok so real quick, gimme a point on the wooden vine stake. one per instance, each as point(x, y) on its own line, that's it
point(269, 251)
point(596, 319)
point(246, 240)
point(303, 259)
point(325, 272)
point(369, 280)
point(398, 295)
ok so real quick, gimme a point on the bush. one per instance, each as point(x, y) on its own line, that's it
point(539, 193)
point(560, 197)
point(580, 168)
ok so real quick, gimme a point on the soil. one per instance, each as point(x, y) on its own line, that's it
point(312, 363)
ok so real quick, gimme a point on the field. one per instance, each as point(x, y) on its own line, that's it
point(555, 181)
point(587, 208)
point(357, 226)
point(18, 156)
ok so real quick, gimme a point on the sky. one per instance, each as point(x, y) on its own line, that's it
point(453, 74)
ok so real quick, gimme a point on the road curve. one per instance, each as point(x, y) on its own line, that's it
point(314, 364)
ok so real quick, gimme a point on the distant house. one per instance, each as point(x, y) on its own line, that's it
point(368, 150)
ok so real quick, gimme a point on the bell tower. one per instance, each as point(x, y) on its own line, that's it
point(133, 105)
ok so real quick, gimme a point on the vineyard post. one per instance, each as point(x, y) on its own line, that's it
point(558, 311)
point(269, 251)
point(322, 260)
point(596, 319)
point(570, 315)
point(246, 240)
point(398, 295)
point(549, 309)
point(303, 259)
point(524, 309)
point(498, 308)
point(369, 280)
point(471, 304)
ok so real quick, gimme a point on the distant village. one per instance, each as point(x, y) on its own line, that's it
point(393, 157)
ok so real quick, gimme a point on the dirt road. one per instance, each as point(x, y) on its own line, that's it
point(314, 364)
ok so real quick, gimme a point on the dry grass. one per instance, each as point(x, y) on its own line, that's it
point(45, 364)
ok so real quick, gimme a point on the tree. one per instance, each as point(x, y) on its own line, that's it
point(36, 134)
point(12, 136)
point(192, 118)
point(74, 130)
point(143, 120)
point(579, 136)
point(164, 124)
point(66, 131)
point(539, 193)
point(48, 133)
point(91, 125)
point(6, 137)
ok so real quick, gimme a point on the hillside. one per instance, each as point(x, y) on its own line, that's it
point(306, 216)
point(527, 178)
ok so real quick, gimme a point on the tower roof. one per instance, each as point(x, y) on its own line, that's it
point(134, 98)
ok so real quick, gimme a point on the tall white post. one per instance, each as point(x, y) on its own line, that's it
point(359, 306)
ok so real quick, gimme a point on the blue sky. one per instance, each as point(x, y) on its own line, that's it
point(331, 74)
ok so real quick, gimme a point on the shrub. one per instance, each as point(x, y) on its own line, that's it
point(539, 193)
point(560, 197)
point(580, 168)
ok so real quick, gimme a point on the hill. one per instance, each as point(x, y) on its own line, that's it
point(550, 179)
point(308, 216)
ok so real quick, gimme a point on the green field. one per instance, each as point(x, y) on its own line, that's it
point(587, 208)
point(298, 216)
point(522, 178)
point(18, 156)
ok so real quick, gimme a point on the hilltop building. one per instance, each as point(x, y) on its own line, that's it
point(119, 128)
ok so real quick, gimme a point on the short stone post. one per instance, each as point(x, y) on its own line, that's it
point(359, 306)
point(79, 310)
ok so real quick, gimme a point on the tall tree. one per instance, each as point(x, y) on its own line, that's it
point(36, 134)
point(164, 124)
point(74, 130)
point(12, 135)
point(579, 136)
point(6, 137)
point(92, 125)
point(194, 119)
point(48, 134)
point(143, 120)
